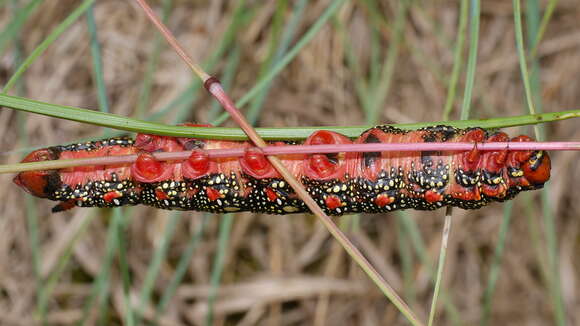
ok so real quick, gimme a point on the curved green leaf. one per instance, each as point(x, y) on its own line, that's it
point(288, 133)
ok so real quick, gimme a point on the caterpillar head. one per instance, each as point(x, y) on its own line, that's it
point(38, 183)
point(537, 168)
point(535, 165)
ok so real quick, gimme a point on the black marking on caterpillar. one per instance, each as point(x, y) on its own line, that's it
point(341, 183)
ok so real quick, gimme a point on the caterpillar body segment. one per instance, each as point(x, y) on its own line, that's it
point(341, 183)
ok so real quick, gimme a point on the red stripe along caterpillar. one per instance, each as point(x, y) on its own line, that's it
point(341, 183)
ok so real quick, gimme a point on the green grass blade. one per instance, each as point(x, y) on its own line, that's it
point(416, 240)
point(182, 265)
point(543, 26)
point(97, 61)
point(255, 106)
point(380, 92)
point(30, 203)
point(124, 267)
point(496, 263)
point(457, 59)
point(522, 60)
point(152, 63)
point(441, 265)
point(159, 256)
point(50, 283)
point(472, 59)
point(308, 36)
point(13, 28)
point(100, 287)
point(549, 219)
point(218, 266)
point(407, 259)
point(62, 27)
point(134, 125)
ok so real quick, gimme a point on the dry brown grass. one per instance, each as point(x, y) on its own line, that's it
point(286, 269)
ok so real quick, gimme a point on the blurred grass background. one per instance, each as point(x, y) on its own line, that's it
point(367, 62)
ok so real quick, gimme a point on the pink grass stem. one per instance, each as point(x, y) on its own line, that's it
point(304, 150)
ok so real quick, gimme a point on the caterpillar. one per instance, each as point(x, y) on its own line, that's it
point(341, 183)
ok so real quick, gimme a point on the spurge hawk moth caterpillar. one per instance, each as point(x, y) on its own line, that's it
point(341, 183)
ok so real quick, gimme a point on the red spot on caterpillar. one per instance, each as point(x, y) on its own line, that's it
point(148, 169)
point(332, 202)
point(471, 158)
point(383, 200)
point(271, 194)
point(322, 166)
point(160, 194)
point(255, 163)
point(109, 196)
point(433, 196)
point(495, 161)
point(196, 166)
point(212, 194)
point(325, 166)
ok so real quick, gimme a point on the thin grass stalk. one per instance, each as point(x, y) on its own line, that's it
point(379, 94)
point(151, 64)
point(360, 84)
point(218, 266)
point(496, 263)
point(112, 246)
point(39, 50)
point(15, 25)
point(100, 287)
point(440, 267)
point(182, 266)
point(50, 283)
point(30, 203)
point(549, 223)
point(543, 27)
point(287, 133)
point(129, 318)
point(308, 36)
point(407, 263)
point(419, 245)
point(472, 59)
point(457, 59)
point(255, 106)
point(97, 60)
point(532, 24)
point(154, 268)
point(522, 60)
point(553, 259)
